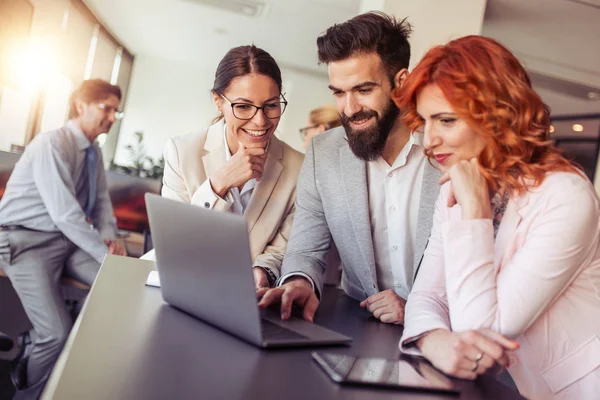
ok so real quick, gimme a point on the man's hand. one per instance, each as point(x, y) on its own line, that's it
point(296, 290)
point(115, 247)
point(466, 354)
point(260, 278)
point(386, 306)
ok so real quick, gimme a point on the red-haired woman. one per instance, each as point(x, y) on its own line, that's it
point(514, 252)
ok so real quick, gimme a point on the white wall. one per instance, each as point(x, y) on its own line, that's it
point(434, 22)
point(170, 98)
point(165, 99)
point(304, 92)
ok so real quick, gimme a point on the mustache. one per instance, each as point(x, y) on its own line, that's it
point(365, 114)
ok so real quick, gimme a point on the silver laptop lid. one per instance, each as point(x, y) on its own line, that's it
point(204, 263)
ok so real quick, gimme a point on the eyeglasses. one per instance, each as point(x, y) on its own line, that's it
point(304, 131)
point(110, 110)
point(246, 111)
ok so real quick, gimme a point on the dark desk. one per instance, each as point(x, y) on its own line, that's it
point(128, 344)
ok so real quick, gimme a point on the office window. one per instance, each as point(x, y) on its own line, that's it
point(104, 58)
point(15, 101)
point(77, 37)
point(116, 67)
point(14, 117)
point(56, 103)
point(110, 143)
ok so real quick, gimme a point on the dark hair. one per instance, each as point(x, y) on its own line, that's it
point(372, 32)
point(244, 60)
point(90, 91)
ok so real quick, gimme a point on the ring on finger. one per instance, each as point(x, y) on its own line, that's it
point(479, 357)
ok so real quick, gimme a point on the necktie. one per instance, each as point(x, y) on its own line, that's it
point(90, 157)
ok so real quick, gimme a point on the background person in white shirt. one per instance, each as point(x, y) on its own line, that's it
point(367, 185)
point(56, 217)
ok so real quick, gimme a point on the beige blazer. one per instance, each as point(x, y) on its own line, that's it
point(191, 159)
point(538, 282)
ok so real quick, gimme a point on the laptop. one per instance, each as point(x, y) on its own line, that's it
point(205, 269)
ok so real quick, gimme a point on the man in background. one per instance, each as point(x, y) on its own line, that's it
point(56, 218)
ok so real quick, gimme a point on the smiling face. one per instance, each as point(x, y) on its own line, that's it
point(242, 93)
point(447, 136)
point(362, 89)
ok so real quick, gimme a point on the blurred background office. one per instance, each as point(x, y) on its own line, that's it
point(163, 54)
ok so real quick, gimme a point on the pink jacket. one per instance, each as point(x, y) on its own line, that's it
point(539, 283)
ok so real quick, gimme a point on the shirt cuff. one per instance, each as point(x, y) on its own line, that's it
point(108, 233)
point(205, 197)
point(409, 345)
point(293, 274)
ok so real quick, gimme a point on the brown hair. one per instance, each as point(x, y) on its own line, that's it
point(372, 32)
point(91, 91)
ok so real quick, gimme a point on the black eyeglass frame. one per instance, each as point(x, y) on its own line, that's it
point(256, 108)
point(304, 130)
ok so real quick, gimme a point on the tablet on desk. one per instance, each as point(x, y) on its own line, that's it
point(383, 373)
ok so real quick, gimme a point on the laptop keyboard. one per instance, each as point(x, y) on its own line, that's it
point(274, 331)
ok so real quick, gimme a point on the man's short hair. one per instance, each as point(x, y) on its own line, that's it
point(90, 91)
point(372, 32)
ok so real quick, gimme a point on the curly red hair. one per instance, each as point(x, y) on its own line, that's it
point(490, 90)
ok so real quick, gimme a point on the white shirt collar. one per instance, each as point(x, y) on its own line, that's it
point(82, 141)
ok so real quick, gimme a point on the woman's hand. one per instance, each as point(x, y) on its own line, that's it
point(469, 189)
point(466, 354)
point(244, 165)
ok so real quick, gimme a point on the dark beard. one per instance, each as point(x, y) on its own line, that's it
point(367, 144)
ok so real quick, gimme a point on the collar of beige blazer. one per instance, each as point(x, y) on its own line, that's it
point(214, 158)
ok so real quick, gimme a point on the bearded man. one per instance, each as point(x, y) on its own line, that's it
point(367, 185)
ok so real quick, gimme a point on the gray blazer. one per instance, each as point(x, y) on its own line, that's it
point(333, 203)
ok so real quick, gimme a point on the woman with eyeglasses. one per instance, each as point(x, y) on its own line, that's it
point(511, 274)
point(320, 120)
point(238, 165)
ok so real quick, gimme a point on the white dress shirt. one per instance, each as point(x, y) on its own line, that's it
point(394, 197)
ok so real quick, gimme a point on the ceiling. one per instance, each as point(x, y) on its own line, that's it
point(557, 40)
point(192, 31)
